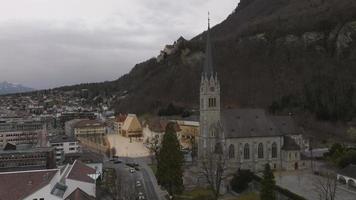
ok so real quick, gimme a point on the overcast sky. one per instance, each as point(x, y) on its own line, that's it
point(49, 43)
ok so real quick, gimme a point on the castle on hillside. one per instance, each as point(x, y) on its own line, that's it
point(249, 138)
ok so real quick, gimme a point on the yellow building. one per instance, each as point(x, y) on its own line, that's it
point(131, 127)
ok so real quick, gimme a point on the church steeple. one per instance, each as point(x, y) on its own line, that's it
point(208, 65)
point(209, 102)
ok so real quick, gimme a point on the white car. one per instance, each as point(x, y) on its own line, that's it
point(140, 196)
point(138, 184)
point(132, 170)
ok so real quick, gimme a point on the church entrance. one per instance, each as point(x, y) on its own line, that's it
point(296, 166)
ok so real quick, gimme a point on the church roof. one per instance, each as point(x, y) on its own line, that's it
point(290, 144)
point(208, 65)
point(242, 123)
point(285, 124)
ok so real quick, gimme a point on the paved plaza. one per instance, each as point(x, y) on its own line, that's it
point(126, 148)
point(303, 184)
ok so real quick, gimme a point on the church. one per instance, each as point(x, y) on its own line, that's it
point(249, 138)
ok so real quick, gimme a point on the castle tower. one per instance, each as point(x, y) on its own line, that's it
point(209, 103)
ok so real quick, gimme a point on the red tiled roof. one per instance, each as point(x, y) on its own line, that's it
point(79, 194)
point(18, 185)
point(121, 117)
point(80, 172)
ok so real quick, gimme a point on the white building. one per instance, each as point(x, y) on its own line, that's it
point(50, 184)
point(64, 145)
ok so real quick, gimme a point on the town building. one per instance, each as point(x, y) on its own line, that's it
point(69, 126)
point(132, 126)
point(89, 128)
point(64, 145)
point(249, 138)
point(189, 131)
point(67, 116)
point(118, 123)
point(21, 131)
point(92, 134)
point(26, 157)
point(50, 184)
point(155, 128)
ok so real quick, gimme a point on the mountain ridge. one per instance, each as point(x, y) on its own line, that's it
point(11, 88)
point(268, 53)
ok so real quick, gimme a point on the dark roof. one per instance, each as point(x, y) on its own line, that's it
point(285, 124)
point(159, 125)
point(290, 144)
point(80, 172)
point(9, 146)
point(62, 138)
point(349, 171)
point(241, 123)
point(18, 185)
point(89, 124)
point(208, 65)
point(79, 194)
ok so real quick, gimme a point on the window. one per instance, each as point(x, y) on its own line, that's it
point(72, 149)
point(260, 150)
point(274, 150)
point(212, 102)
point(231, 151)
point(247, 151)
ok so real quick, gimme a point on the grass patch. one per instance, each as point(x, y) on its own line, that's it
point(248, 196)
point(196, 194)
point(154, 168)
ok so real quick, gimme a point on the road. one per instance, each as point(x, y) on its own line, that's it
point(130, 191)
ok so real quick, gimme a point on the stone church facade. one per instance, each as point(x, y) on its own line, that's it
point(249, 138)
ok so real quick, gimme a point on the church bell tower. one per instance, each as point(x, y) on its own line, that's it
point(209, 103)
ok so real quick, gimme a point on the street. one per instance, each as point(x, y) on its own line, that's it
point(127, 180)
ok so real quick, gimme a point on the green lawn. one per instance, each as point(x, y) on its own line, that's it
point(196, 194)
point(248, 196)
point(154, 168)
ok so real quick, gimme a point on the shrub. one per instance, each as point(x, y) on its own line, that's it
point(240, 181)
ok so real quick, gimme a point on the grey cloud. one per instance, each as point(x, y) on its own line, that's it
point(45, 53)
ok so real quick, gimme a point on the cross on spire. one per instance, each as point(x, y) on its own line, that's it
point(208, 19)
point(208, 65)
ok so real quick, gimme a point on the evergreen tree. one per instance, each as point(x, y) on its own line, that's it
point(268, 184)
point(169, 168)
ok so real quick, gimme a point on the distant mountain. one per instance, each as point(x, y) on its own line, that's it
point(11, 88)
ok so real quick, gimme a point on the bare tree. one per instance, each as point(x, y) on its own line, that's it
point(213, 164)
point(154, 145)
point(326, 186)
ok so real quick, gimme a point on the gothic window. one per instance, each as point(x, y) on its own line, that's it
point(247, 151)
point(260, 150)
point(274, 150)
point(231, 151)
point(218, 148)
point(212, 102)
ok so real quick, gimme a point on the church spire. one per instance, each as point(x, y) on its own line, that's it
point(208, 65)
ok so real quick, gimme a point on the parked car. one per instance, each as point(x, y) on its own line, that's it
point(138, 184)
point(132, 170)
point(117, 161)
point(140, 196)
